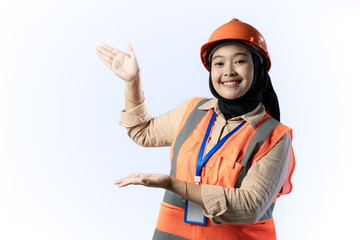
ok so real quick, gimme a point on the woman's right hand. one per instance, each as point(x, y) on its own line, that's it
point(122, 64)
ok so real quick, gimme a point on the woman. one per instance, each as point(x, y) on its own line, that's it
point(230, 156)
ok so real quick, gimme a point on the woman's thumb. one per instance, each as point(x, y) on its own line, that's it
point(131, 51)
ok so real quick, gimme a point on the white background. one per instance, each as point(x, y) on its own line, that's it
point(61, 146)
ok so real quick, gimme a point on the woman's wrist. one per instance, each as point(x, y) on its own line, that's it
point(174, 185)
point(179, 187)
point(133, 93)
point(133, 87)
point(134, 81)
point(186, 190)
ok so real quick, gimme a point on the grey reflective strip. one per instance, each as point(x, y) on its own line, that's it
point(160, 235)
point(257, 140)
point(173, 199)
point(268, 213)
point(194, 118)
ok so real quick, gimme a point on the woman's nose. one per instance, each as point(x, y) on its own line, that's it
point(229, 71)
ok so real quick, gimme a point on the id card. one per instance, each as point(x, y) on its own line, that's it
point(194, 213)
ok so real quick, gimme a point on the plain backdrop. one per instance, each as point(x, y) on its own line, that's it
point(61, 147)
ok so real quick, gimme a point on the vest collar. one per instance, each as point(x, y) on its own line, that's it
point(252, 117)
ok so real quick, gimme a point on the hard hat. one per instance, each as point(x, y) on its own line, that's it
point(235, 29)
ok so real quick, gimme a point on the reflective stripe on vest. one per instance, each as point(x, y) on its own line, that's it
point(194, 118)
point(258, 139)
point(160, 235)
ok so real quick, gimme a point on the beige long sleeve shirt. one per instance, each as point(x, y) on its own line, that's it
point(244, 205)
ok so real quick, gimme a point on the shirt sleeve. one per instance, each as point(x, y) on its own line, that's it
point(247, 204)
point(148, 131)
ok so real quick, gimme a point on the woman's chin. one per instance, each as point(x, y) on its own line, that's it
point(231, 96)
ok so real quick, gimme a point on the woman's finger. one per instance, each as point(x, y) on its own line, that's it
point(122, 182)
point(105, 52)
point(106, 62)
point(131, 179)
point(104, 56)
point(111, 49)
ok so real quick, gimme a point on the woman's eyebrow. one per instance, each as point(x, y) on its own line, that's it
point(217, 56)
point(236, 54)
point(240, 53)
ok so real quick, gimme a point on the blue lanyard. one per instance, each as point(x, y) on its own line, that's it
point(201, 161)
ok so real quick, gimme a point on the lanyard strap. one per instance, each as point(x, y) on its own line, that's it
point(201, 161)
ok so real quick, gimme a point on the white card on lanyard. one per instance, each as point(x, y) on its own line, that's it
point(194, 213)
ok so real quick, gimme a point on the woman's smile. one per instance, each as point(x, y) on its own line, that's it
point(231, 83)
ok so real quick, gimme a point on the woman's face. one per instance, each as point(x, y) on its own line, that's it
point(232, 71)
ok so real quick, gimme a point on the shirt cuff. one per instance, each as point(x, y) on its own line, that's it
point(214, 202)
point(139, 114)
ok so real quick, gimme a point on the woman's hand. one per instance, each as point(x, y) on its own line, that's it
point(122, 64)
point(187, 190)
point(148, 180)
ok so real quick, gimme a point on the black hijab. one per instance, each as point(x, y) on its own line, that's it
point(261, 90)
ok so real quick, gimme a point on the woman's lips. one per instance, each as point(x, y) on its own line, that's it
point(231, 83)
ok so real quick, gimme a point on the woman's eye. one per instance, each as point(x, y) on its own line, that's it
point(218, 64)
point(240, 61)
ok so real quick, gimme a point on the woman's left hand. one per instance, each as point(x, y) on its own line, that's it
point(148, 180)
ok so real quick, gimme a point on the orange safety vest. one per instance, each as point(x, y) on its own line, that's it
point(226, 167)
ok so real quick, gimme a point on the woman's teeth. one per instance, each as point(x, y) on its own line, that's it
point(230, 83)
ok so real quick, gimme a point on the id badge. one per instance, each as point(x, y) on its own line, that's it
point(194, 213)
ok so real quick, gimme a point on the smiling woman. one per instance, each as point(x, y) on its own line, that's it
point(230, 156)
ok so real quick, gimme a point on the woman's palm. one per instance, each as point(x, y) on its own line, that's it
point(122, 64)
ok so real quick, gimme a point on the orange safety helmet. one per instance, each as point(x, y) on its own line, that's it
point(236, 29)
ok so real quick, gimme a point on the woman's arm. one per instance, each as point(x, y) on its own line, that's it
point(152, 132)
point(144, 130)
point(187, 190)
point(126, 67)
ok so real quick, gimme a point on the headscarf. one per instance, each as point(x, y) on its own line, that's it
point(261, 89)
